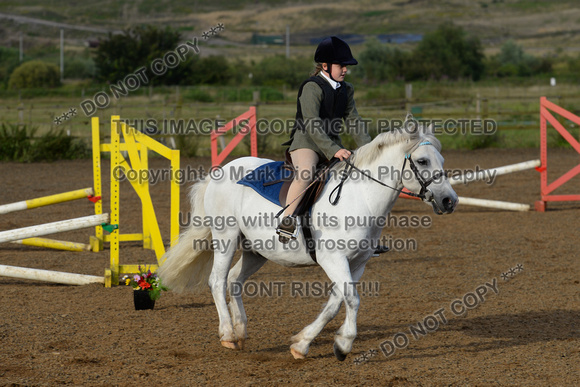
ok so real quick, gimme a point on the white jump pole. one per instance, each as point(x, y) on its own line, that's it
point(46, 200)
point(53, 228)
point(485, 174)
point(493, 204)
point(49, 275)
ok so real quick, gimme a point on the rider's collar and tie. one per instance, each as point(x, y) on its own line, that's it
point(335, 85)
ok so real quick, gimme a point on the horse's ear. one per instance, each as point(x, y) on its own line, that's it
point(429, 129)
point(410, 124)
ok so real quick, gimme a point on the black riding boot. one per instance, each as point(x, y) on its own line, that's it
point(380, 250)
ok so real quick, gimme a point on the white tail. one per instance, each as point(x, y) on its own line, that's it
point(188, 264)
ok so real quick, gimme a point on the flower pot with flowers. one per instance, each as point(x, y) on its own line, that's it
point(147, 288)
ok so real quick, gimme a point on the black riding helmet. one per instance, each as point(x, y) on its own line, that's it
point(334, 50)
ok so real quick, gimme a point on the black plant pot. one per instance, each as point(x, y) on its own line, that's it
point(143, 300)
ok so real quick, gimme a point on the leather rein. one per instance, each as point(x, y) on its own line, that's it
point(425, 194)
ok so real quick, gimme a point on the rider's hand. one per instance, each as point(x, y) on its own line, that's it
point(342, 154)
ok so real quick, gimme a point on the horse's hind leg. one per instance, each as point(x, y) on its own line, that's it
point(225, 245)
point(242, 270)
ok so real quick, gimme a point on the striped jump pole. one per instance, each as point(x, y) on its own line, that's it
point(53, 228)
point(46, 200)
point(54, 244)
point(58, 277)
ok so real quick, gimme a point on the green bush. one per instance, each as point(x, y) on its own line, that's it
point(380, 62)
point(574, 66)
point(471, 141)
point(240, 72)
point(188, 145)
point(385, 93)
point(213, 70)
point(237, 94)
point(79, 68)
point(266, 145)
point(481, 141)
point(198, 95)
point(122, 54)
point(34, 74)
point(57, 145)
point(19, 144)
point(8, 62)
point(555, 139)
point(267, 94)
point(447, 53)
point(278, 70)
point(512, 61)
point(15, 142)
point(234, 94)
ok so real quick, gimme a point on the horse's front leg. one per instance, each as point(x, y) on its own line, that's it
point(301, 341)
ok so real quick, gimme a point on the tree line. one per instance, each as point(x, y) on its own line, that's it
point(448, 53)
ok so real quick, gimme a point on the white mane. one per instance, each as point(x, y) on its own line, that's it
point(409, 134)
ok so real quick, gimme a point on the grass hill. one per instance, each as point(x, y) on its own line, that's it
point(541, 26)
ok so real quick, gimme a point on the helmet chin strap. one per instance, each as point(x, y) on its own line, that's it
point(329, 71)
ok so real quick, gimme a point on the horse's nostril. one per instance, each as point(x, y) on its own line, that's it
point(447, 204)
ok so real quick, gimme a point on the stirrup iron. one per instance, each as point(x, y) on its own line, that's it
point(287, 229)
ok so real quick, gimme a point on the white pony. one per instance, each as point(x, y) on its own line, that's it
point(407, 158)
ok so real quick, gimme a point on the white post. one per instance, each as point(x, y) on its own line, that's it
point(493, 204)
point(61, 54)
point(287, 41)
point(220, 138)
point(53, 228)
point(408, 91)
point(408, 97)
point(21, 47)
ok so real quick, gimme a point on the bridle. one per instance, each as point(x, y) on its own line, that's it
point(424, 194)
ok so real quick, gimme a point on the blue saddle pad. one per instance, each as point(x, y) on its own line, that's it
point(267, 173)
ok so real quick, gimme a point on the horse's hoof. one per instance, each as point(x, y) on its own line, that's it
point(241, 344)
point(338, 353)
point(297, 355)
point(229, 344)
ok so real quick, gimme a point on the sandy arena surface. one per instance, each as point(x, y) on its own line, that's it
point(528, 333)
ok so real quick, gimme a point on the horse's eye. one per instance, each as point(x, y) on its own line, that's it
point(423, 162)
